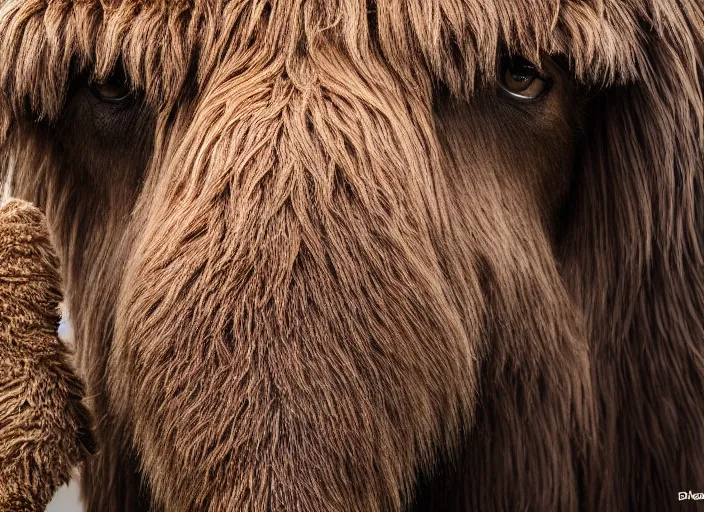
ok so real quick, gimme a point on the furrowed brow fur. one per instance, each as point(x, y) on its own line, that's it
point(157, 41)
point(327, 292)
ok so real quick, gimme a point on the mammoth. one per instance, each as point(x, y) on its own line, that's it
point(383, 255)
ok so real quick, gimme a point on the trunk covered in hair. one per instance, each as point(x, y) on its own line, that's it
point(45, 429)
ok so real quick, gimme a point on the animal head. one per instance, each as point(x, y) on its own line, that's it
point(317, 251)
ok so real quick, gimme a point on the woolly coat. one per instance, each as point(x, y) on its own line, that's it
point(45, 428)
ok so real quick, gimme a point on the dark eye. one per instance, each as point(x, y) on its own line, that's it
point(113, 90)
point(521, 79)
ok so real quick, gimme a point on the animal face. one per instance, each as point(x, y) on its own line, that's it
point(363, 255)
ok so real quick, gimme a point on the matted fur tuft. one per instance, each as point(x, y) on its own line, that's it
point(45, 429)
point(322, 265)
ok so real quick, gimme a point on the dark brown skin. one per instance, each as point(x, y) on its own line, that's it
point(321, 258)
point(45, 428)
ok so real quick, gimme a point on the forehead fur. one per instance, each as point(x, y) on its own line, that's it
point(454, 41)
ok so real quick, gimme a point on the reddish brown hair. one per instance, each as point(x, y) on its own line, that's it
point(324, 266)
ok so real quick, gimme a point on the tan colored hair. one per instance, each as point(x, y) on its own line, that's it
point(322, 267)
point(45, 429)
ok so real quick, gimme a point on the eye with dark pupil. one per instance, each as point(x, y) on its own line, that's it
point(113, 90)
point(523, 72)
point(520, 78)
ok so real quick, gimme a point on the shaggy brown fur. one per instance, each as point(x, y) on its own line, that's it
point(320, 263)
point(44, 426)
